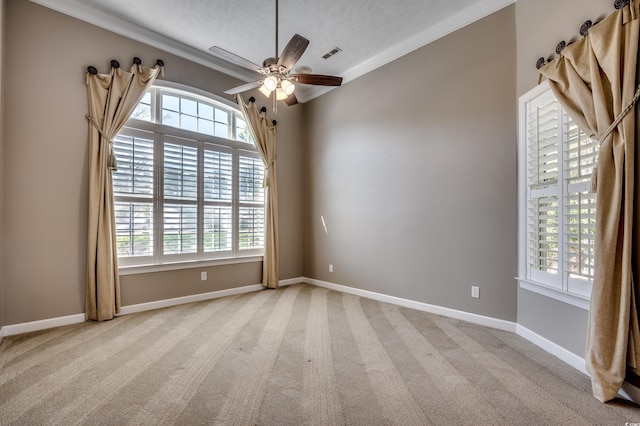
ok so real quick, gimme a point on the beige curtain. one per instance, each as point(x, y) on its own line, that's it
point(595, 79)
point(112, 98)
point(264, 132)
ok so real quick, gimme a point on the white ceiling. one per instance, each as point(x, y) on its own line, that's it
point(370, 33)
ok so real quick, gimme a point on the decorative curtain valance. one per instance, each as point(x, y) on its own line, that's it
point(112, 97)
point(264, 133)
point(595, 80)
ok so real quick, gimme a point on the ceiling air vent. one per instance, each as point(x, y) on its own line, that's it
point(331, 53)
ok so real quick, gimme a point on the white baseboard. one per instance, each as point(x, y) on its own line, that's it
point(290, 281)
point(630, 392)
point(157, 304)
point(563, 354)
point(28, 327)
point(420, 306)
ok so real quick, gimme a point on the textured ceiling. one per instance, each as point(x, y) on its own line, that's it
point(369, 32)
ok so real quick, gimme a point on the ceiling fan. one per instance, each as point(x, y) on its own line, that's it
point(276, 80)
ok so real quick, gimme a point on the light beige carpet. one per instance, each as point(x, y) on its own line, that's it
point(294, 356)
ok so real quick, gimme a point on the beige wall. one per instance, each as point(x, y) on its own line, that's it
point(46, 167)
point(541, 24)
point(413, 168)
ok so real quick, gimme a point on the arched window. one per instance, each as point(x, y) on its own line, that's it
point(189, 184)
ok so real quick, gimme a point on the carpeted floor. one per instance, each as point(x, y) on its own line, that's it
point(294, 356)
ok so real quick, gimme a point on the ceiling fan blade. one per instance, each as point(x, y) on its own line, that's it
point(233, 58)
point(244, 87)
point(317, 79)
point(291, 99)
point(293, 51)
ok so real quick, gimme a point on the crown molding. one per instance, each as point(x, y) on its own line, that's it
point(100, 18)
point(455, 22)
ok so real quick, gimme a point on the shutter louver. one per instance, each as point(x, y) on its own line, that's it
point(251, 232)
point(218, 228)
point(135, 166)
point(542, 135)
point(580, 235)
point(180, 172)
point(251, 179)
point(134, 228)
point(180, 229)
point(543, 234)
point(218, 176)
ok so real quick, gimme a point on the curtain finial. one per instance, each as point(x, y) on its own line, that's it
point(540, 63)
point(619, 4)
point(584, 29)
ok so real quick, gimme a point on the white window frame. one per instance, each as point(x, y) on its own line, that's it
point(560, 286)
point(164, 133)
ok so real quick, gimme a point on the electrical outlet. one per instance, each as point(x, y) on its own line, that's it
point(330, 267)
point(203, 276)
point(475, 292)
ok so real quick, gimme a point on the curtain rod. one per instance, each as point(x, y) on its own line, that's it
point(584, 30)
point(115, 64)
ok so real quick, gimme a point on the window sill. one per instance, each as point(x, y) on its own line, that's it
point(570, 299)
point(144, 269)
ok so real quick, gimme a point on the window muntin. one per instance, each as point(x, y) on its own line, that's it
point(186, 194)
point(557, 210)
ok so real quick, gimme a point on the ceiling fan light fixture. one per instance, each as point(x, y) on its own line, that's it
point(288, 87)
point(264, 91)
point(270, 83)
point(280, 94)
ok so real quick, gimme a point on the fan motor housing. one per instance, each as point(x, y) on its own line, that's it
point(270, 62)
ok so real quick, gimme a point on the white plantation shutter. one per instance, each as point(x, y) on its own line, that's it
point(134, 228)
point(251, 233)
point(251, 201)
point(543, 234)
point(580, 213)
point(558, 209)
point(135, 165)
point(133, 193)
point(180, 172)
point(543, 155)
point(218, 228)
point(251, 180)
point(218, 197)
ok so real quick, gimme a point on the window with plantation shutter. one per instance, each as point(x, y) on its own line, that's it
point(251, 202)
point(133, 185)
point(557, 210)
point(189, 184)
